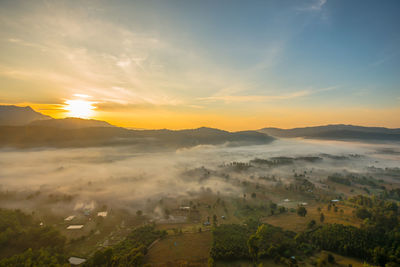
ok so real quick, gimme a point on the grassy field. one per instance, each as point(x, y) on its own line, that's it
point(292, 221)
point(190, 249)
point(345, 261)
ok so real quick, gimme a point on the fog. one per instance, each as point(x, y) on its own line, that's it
point(123, 177)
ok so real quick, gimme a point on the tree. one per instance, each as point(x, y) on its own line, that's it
point(301, 211)
point(167, 213)
point(270, 242)
point(102, 257)
point(215, 220)
point(331, 259)
point(128, 252)
point(379, 256)
point(322, 218)
point(363, 213)
point(282, 209)
point(253, 247)
point(139, 213)
point(211, 262)
point(253, 195)
point(311, 224)
point(230, 242)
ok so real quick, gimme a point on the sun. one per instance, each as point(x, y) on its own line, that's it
point(79, 108)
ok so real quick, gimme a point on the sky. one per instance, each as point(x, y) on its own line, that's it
point(234, 65)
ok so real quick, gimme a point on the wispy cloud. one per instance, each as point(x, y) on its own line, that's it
point(265, 98)
point(86, 54)
point(254, 98)
point(383, 60)
point(121, 70)
point(318, 5)
point(315, 5)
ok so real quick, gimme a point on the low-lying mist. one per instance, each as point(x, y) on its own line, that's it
point(71, 179)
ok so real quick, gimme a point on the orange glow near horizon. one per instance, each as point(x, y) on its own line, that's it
point(159, 118)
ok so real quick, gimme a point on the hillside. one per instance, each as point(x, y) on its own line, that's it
point(14, 115)
point(70, 123)
point(26, 128)
point(337, 132)
point(42, 136)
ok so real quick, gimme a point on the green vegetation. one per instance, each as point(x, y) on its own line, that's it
point(23, 240)
point(33, 258)
point(272, 219)
point(246, 210)
point(302, 211)
point(271, 242)
point(350, 178)
point(392, 194)
point(377, 241)
point(129, 252)
point(233, 242)
point(230, 242)
point(337, 178)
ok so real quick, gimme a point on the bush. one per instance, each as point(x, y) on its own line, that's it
point(301, 211)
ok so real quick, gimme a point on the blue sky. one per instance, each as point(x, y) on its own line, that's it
point(206, 62)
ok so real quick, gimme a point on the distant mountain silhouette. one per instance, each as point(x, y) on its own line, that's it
point(43, 136)
point(23, 127)
point(337, 132)
point(70, 123)
point(14, 115)
point(17, 116)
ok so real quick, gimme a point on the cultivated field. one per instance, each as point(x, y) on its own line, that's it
point(190, 249)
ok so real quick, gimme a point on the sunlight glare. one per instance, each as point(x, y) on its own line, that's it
point(79, 108)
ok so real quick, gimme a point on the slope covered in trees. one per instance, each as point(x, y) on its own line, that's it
point(22, 240)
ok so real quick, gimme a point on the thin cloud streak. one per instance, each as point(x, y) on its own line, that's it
point(265, 98)
point(317, 5)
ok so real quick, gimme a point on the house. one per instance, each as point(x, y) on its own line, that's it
point(76, 260)
point(69, 218)
point(102, 214)
point(75, 227)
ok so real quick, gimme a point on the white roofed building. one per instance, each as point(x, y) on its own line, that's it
point(75, 227)
point(76, 260)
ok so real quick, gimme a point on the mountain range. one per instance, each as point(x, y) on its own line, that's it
point(337, 132)
point(22, 127)
point(70, 123)
point(74, 132)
